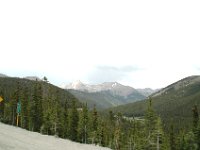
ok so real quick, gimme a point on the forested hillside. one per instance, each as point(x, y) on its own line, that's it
point(40, 102)
point(173, 103)
point(41, 107)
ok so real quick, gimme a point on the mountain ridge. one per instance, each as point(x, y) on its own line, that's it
point(117, 88)
point(107, 94)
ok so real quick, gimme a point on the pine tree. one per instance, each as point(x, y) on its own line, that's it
point(36, 108)
point(54, 116)
point(102, 134)
point(2, 106)
point(13, 105)
point(83, 125)
point(161, 141)
point(48, 105)
point(46, 127)
point(111, 128)
point(60, 121)
point(151, 121)
point(172, 138)
point(117, 134)
point(197, 137)
point(66, 120)
point(195, 117)
point(24, 109)
point(196, 126)
point(73, 122)
point(94, 119)
point(94, 125)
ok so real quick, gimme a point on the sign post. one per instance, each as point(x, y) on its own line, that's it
point(18, 111)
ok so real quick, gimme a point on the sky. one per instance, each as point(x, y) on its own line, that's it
point(139, 43)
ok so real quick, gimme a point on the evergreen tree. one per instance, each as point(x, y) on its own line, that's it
point(50, 115)
point(83, 125)
point(13, 105)
point(54, 116)
point(117, 134)
point(94, 125)
point(151, 121)
point(111, 128)
point(197, 137)
point(46, 127)
point(196, 126)
point(195, 117)
point(94, 119)
point(24, 109)
point(60, 121)
point(73, 122)
point(66, 119)
point(102, 134)
point(45, 79)
point(161, 140)
point(2, 103)
point(172, 138)
point(36, 108)
point(48, 107)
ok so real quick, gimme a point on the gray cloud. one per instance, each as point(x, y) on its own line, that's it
point(110, 73)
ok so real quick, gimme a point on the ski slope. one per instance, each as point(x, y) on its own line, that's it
point(13, 138)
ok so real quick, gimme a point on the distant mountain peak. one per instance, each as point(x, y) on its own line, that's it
point(77, 84)
point(113, 87)
point(3, 75)
point(114, 84)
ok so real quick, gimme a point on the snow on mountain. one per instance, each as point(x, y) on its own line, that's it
point(114, 87)
point(13, 138)
point(78, 85)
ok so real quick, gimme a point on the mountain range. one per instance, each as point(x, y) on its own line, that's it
point(107, 94)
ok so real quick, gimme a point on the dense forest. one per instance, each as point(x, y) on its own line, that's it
point(173, 103)
point(41, 107)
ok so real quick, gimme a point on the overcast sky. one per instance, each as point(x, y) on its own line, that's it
point(141, 43)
